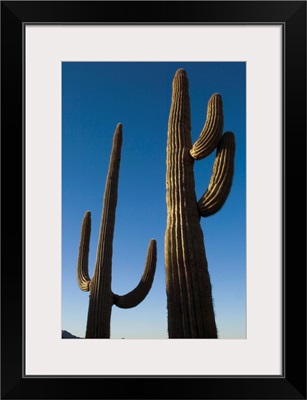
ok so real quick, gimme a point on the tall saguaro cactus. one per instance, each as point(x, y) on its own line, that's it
point(188, 286)
point(101, 296)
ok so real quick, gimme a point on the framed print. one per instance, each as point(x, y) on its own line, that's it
point(102, 105)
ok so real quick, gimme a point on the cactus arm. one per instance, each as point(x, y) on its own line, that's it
point(221, 179)
point(83, 278)
point(212, 130)
point(137, 295)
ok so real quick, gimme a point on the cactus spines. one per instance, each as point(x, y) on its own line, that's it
point(188, 286)
point(101, 296)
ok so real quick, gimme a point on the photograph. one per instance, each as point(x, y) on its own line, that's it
point(189, 212)
point(154, 163)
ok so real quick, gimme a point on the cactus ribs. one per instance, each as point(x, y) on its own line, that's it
point(188, 286)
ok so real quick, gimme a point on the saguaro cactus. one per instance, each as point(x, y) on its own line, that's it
point(101, 296)
point(188, 286)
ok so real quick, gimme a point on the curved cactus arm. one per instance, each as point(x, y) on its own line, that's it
point(137, 295)
point(84, 280)
point(221, 179)
point(212, 130)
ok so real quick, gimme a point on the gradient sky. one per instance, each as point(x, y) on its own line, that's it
point(95, 97)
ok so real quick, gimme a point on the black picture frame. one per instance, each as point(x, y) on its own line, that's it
point(292, 16)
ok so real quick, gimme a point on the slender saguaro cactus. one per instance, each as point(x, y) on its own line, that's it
point(189, 294)
point(101, 296)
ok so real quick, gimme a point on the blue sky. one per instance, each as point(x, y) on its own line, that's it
point(95, 97)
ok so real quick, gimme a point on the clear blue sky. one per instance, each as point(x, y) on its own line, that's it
point(95, 97)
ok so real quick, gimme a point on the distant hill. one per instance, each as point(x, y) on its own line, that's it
point(68, 335)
